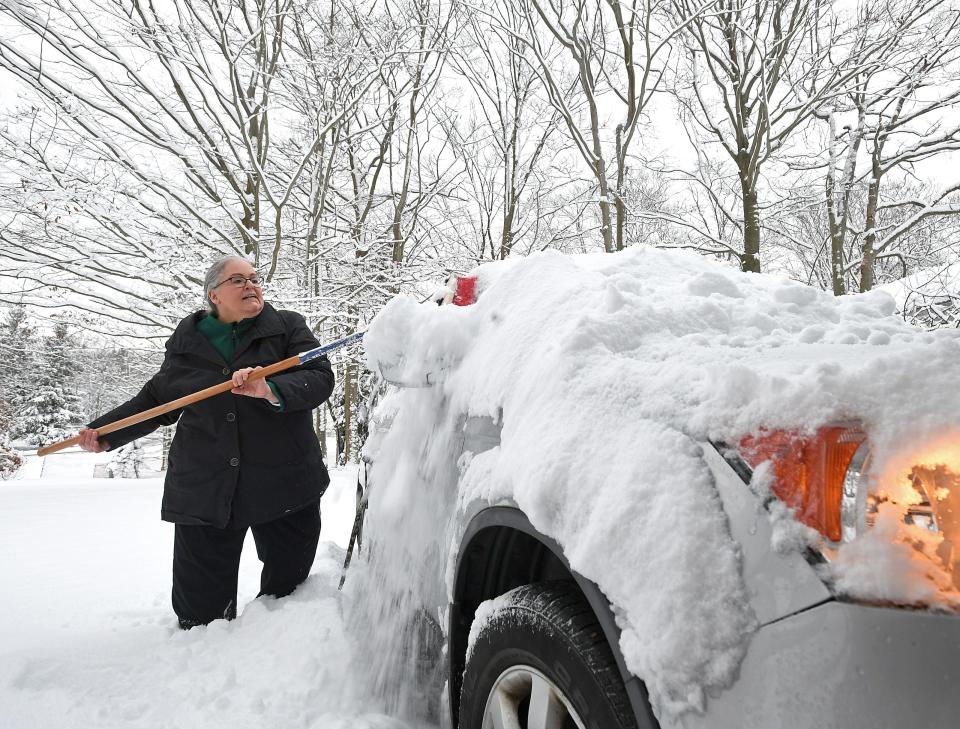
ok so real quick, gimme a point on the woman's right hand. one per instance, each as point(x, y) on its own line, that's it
point(89, 442)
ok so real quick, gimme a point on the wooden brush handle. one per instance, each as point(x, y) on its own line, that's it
point(173, 405)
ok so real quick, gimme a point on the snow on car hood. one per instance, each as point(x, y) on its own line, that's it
point(607, 372)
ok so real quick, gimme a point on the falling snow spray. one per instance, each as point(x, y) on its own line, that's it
point(396, 590)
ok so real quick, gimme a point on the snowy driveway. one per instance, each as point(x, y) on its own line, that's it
point(88, 638)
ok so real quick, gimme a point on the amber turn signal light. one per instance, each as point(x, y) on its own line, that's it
point(808, 471)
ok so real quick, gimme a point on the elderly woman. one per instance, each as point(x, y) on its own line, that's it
point(244, 459)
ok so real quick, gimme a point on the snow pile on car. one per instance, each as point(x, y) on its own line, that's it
point(606, 371)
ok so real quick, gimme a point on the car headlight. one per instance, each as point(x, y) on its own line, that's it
point(833, 483)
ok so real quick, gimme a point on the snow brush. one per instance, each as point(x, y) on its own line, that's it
point(273, 369)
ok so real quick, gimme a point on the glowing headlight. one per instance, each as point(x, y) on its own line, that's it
point(939, 512)
point(828, 479)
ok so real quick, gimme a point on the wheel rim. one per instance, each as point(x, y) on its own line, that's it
point(523, 698)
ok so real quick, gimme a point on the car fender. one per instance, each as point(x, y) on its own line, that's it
point(509, 517)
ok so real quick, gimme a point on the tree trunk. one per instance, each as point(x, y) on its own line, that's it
point(621, 209)
point(506, 236)
point(510, 198)
point(320, 428)
point(608, 244)
point(251, 207)
point(337, 431)
point(750, 260)
point(397, 232)
point(870, 236)
point(836, 239)
point(349, 402)
point(165, 440)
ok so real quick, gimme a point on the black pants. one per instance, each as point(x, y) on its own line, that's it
point(206, 562)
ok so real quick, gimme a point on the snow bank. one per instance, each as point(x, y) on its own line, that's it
point(605, 372)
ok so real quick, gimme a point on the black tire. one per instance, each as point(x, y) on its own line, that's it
point(544, 631)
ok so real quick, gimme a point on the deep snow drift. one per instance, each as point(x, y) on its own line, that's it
point(605, 372)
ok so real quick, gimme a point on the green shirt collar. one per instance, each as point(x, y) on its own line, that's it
point(223, 336)
point(211, 325)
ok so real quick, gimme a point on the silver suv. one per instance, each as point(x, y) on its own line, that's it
point(495, 619)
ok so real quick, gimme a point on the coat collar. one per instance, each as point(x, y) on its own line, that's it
point(186, 338)
point(267, 324)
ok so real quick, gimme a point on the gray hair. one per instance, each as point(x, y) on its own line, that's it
point(212, 278)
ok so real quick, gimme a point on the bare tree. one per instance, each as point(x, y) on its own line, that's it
point(758, 70)
point(297, 132)
point(373, 189)
point(613, 55)
point(506, 138)
point(180, 112)
point(894, 117)
point(903, 124)
point(75, 226)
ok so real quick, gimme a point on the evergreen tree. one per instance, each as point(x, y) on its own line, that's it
point(52, 410)
point(9, 459)
point(17, 352)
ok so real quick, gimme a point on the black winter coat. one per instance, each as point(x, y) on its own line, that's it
point(236, 460)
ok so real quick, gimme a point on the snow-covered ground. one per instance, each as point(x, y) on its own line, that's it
point(88, 638)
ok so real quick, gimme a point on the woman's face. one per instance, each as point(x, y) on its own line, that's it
point(237, 302)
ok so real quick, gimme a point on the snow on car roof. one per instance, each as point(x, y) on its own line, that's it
point(607, 371)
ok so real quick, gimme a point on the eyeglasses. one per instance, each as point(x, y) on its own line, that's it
point(241, 281)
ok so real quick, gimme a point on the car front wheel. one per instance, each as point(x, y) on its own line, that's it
point(539, 660)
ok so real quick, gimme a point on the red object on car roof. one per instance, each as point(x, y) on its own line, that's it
point(466, 291)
